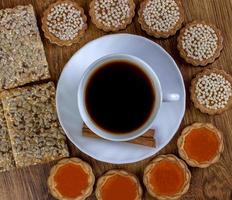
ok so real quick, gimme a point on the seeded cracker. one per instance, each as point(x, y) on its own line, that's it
point(35, 133)
point(112, 15)
point(22, 57)
point(64, 23)
point(211, 91)
point(161, 18)
point(6, 155)
point(200, 43)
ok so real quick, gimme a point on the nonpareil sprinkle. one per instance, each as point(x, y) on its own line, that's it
point(65, 21)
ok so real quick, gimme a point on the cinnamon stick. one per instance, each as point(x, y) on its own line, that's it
point(147, 139)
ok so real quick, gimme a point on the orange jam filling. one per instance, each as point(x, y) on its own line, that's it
point(71, 180)
point(119, 187)
point(201, 144)
point(167, 178)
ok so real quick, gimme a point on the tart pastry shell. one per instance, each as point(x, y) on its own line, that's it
point(192, 162)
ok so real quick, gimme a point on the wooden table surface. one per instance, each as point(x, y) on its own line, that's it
point(214, 182)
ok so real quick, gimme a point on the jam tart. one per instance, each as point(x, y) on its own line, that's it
point(71, 179)
point(118, 184)
point(167, 177)
point(200, 144)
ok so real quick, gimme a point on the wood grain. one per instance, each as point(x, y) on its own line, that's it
point(147, 139)
point(214, 182)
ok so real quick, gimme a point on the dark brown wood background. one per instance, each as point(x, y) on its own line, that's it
point(214, 182)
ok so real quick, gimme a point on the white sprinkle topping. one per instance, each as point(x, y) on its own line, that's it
point(112, 13)
point(161, 15)
point(65, 21)
point(213, 91)
point(200, 42)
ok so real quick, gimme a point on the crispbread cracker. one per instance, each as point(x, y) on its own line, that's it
point(6, 155)
point(34, 130)
point(22, 57)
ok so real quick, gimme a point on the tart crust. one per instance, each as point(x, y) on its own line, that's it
point(85, 166)
point(193, 96)
point(154, 162)
point(101, 26)
point(52, 38)
point(102, 180)
point(160, 34)
point(196, 62)
point(181, 141)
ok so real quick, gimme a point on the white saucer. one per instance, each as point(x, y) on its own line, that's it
point(167, 121)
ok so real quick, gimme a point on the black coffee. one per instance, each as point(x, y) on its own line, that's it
point(119, 97)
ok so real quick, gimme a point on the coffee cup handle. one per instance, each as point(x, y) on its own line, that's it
point(171, 97)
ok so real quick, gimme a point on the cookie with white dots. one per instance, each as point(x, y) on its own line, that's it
point(161, 18)
point(200, 43)
point(112, 15)
point(64, 23)
point(211, 91)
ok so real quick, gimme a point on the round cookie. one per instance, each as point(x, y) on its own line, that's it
point(167, 177)
point(199, 43)
point(64, 23)
point(161, 18)
point(200, 144)
point(116, 184)
point(71, 179)
point(112, 15)
point(211, 91)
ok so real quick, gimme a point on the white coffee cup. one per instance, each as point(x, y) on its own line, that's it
point(156, 86)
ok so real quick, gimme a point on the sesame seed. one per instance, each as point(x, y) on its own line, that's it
point(161, 15)
point(65, 21)
point(200, 42)
point(213, 91)
point(112, 13)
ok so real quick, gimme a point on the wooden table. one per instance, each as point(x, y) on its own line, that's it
point(214, 182)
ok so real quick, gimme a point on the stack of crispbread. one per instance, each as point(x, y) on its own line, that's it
point(29, 129)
